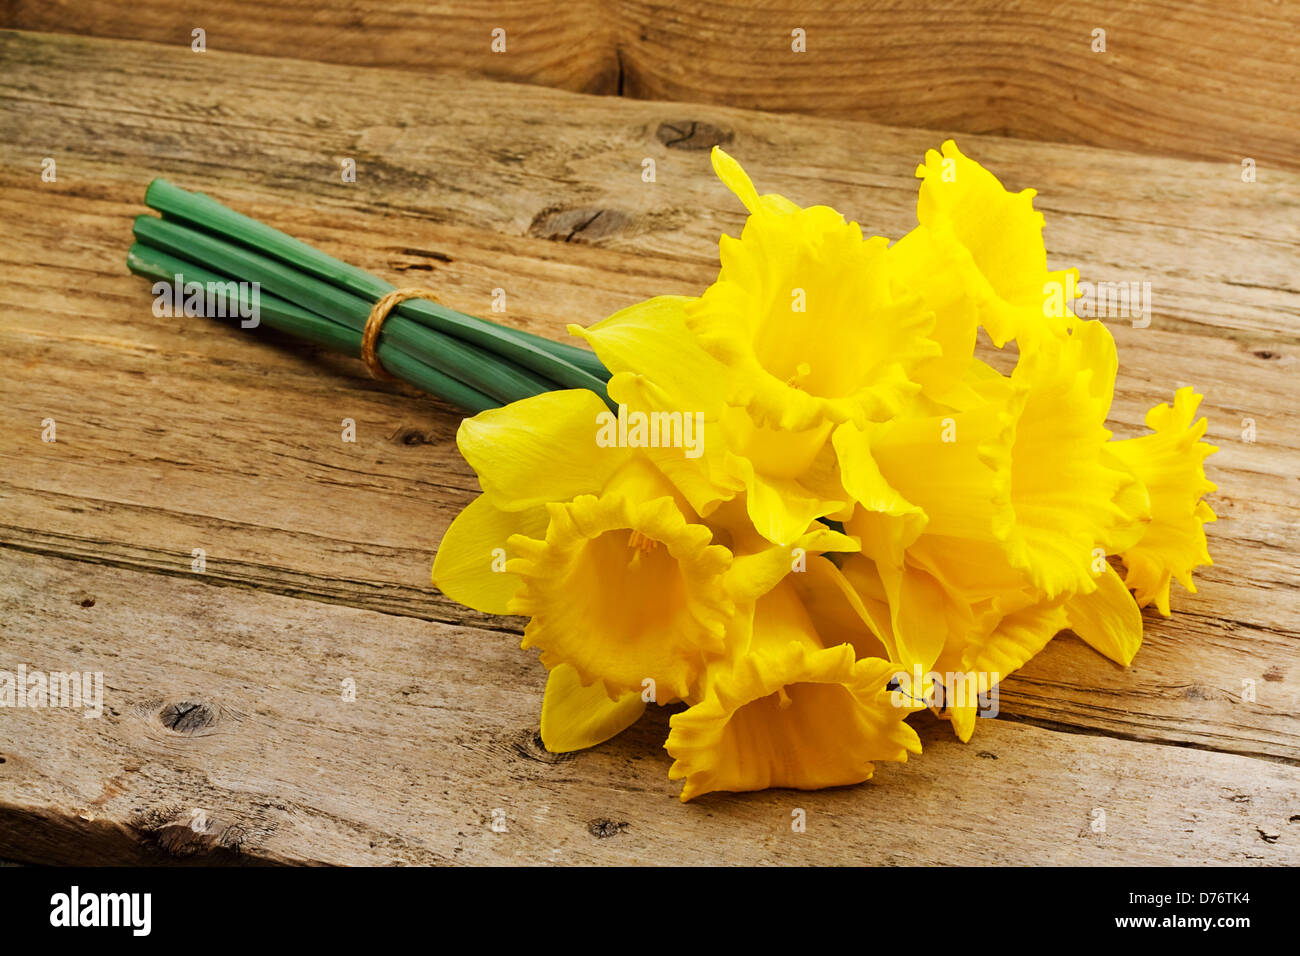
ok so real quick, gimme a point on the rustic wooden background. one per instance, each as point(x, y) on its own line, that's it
point(222, 688)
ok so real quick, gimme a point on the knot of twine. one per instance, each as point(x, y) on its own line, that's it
point(375, 320)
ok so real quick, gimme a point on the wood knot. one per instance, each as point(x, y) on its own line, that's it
point(411, 437)
point(85, 600)
point(691, 134)
point(578, 225)
point(195, 832)
point(188, 717)
point(602, 828)
point(528, 743)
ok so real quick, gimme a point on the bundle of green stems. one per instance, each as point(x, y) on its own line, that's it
point(290, 286)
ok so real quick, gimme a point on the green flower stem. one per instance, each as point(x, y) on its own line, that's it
point(567, 365)
point(277, 313)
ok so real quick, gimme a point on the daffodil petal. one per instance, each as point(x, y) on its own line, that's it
point(754, 574)
point(863, 481)
point(838, 612)
point(1063, 488)
point(923, 618)
point(1108, 619)
point(470, 566)
point(985, 663)
point(737, 180)
point(577, 716)
point(781, 508)
point(540, 449)
point(650, 341)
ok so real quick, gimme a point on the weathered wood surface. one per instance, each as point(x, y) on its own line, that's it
point(1196, 78)
point(443, 733)
point(175, 435)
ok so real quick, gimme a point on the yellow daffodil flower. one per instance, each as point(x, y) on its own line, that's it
point(977, 257)
point(566, 531)
point(789, 711)
point(626, 587)
point(804, 329)
point(1170, 462)
point(1027, 471)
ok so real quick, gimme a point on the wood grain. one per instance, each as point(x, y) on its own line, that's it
point(175, 435)
point(1177, 77)
point(443, 732)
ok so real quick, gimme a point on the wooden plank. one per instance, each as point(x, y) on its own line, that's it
point(228, 703)
point(566, 46)
point(1189, 78)
point(1218, 252)
point(182, 435)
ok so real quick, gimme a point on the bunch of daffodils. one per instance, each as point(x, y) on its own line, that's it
point(816, 511)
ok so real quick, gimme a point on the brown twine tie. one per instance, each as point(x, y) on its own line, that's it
point(378, 313)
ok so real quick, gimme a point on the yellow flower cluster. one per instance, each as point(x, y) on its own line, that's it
point(818, 511)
